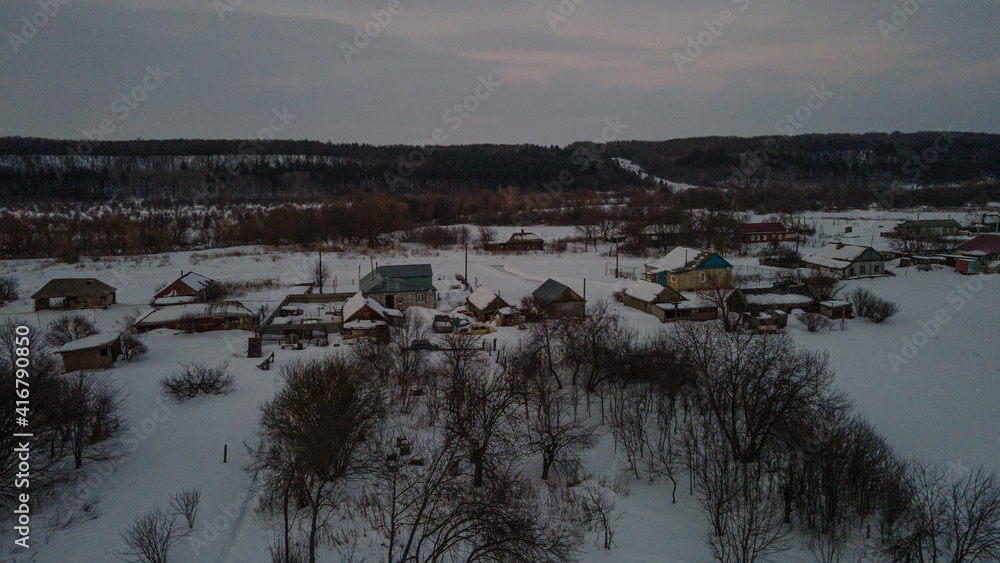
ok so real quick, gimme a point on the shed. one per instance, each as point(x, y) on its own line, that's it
point(836, 309)
point(74, 293)
point(93, 352)
point(559, 300)
point(484, 304)
point(780, 297)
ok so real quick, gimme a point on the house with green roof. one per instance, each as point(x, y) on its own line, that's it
point(401, 286)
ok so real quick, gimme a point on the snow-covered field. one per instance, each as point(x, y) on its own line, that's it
point(940, 403)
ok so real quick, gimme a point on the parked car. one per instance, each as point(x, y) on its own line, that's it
point(424, 345)
point(477, 329)
point(443, 323)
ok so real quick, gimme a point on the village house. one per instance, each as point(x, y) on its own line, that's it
point(484, 304)
point(198, 317)
point(188, 288)
point(781, 297)
point(307, 315)
point(74, 293)
point(365, 316)
point(559, 300)
point(91, 353)
point(764, 233)
point(926, 228)
point(401, 287)
point(986, 248)
point(666, 304)
point(846, 261)
point(518, 242)
point(690, 269)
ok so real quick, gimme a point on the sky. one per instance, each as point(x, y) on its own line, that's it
point(548, 72)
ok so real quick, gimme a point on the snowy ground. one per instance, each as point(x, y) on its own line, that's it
point(940, 404)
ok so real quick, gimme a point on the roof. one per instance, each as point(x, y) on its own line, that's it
point(373, 282)
point(682, 259)
point(781, 294)
point(689, 301)
point(990, 244)
point(195, 281)
point(96, 341)
point(407, 271)
point(482, 297)
point(645, 291)
point(73, 287)
point(759, 228)
point(524, 237)
point(929, 223)
point(837, 256)
point(358, 301)
point(551, 290)
point(174, 313)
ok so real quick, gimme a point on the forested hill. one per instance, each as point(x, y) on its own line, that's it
point(43, 169)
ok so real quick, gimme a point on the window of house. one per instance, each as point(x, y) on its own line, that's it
point(673, 279)
point(702, 277)
point(875, 268)
point(863, 268)
point(384, 285)
point(104, 352)
point(420, 298)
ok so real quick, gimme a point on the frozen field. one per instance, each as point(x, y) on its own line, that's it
point(940, 403)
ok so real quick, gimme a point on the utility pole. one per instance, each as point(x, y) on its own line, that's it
point(319, 272)
point(466, 263)
point(616, 258)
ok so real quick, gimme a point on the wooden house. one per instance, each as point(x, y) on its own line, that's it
point(365, 316)
point(985, 248)
point(188, 288)
point(401, 287)
point(558, 300)
point(667, 304)
point(484, 304)
point(926, 228)
point(690, 269)
point(198, 317)
point(74, 293)
point(844, 261)
point(91, 353)
point(780, 297)
point(518, 242)
point(764, 233)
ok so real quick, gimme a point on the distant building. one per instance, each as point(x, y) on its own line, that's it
point(188, 288)
point(846, 261)
point(307, 315)
point(518, 242)
point(74, 293)
point(559, 300)
point(484, 304)
point(781, 297)
point(364, 316)
point(401, 287)
point(764, 233)
point(690, 269)
point(927, 228)
point(984, 247)
point(93, 352)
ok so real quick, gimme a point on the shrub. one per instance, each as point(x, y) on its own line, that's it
point(814, 322)
point(196, 379)
point(150, 537)
point(68, 328)
point(185, 503)
point(870, 306)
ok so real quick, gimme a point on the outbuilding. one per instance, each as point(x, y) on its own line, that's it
point(93, 352)
point(74, 293)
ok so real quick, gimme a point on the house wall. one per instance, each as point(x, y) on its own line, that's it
point(178, 288)
point(404, 300)
point(91, 358)
point(692, 280)
point(76, 303)
point(767, 238)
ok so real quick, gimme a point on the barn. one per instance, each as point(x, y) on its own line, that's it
point(74, 293)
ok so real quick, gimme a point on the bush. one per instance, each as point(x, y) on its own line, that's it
point(870, 306)
point(68, 328)
point(198, 379)
point(150, 537)
point(814, 322)
point(8, 289)
point(185, 503)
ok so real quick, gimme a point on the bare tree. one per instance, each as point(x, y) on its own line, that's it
point(196, 378)
point(185, 503)
point(320, 274)
point(91, 412)
point(599, 499)
point(150, 537)
point(324, 415)
point(720, 287)
point(8, 289)
point(485, 236)
point(68, 328)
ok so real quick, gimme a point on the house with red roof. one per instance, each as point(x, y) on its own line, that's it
point(984, 247)
point(764, 233)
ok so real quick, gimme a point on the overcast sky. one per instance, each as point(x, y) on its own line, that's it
point(545, 71)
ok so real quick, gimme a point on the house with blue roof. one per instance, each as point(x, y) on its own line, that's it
point(690, 269)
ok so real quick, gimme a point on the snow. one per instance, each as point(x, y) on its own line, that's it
point(835, 256)
point(482, 297)
point(777, 299)
point(627, 164)
point(940, 404)
point(100, 339)
point(358, 301)
point(179, 312)
point(644, 291)
point(676, 259)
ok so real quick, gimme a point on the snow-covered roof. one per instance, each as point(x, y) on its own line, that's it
point(175, 300)
point(179, 312)
point(95, 341)
point(777, 299)
point(358, 301)
point(680, 258)
point(837, 256)
point(834, 303)
point(362, 324)
point(196, 281)
point(645, 291)
point(482, 297)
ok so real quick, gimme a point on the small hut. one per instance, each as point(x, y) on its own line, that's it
point(93, 352)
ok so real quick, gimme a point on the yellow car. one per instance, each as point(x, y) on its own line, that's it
point(476, 329)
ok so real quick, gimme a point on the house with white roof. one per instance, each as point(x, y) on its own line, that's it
point(846, 261)
point(690, 269)
point(667, 304)
point(93, 352)
point(365, 316)
point(484, 304)
point(186, 289)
